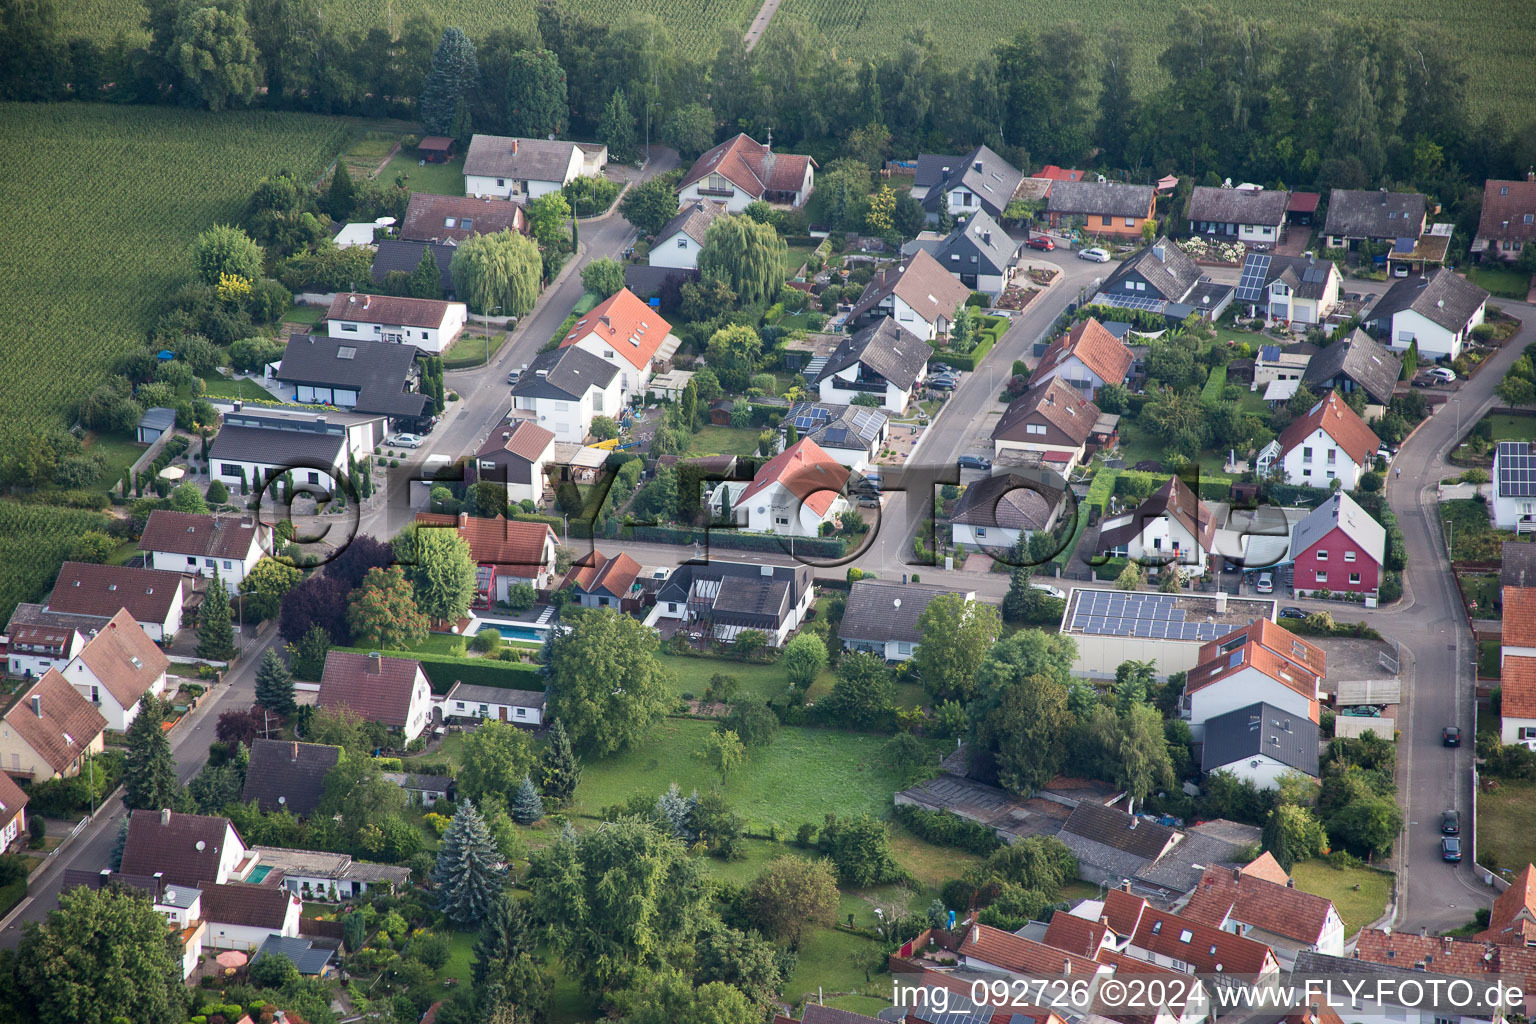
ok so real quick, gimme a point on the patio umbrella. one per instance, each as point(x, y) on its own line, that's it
point(231, 958)
point(172, 473)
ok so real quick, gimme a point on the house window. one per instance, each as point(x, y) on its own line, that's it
point(314, 478)
point(208, 563)
point(1354, 577)
point(1529, 217)
point(1349, 556)
point(608, 353)
point(562, 406)
point(1034, 428)
point(1306, 472)
point(1322, 576)
point(484, 711)
point(781, 520)
point(501, 182)
point(230, 469)
point(349, 328)
point(1130, 222)
point(682, 243)
point(1330, 474)
point(1332, 452)
point(904, 647)
point(521, 712)
point(980, 531)
point(1526, 732)
point(1322, 556)
point(228, 564)
point(1306, 455)
point(458, 705)
point(191, 562)
point(95, 695)
point(1107, 221)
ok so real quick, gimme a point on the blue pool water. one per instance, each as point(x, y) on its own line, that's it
point(512, 632)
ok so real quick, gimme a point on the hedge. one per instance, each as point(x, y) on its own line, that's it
point(1099, 490)
point(12, 894)
point(722, 537)
point(968, 360)
point(443, 670)
point(1214, 384)
point(945, 828)
point(553, 522)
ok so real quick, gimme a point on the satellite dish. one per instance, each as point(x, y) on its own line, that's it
point(201, 846)
point(282, 800)
point(897, 602)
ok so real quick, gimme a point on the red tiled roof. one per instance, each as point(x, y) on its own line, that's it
point(68, 725)
point(1447, 955)
point(376, 688)
point(497, 541)
point(427, 217)
point(1266, 867)
point(597, 571)
point(1024, 956)
point(192, 533)
point(1268, 906)
point(361, 307)
point(1304, 202)
point(751, 167)
point(124, 659)
point(1095, 348)
point(1338, 421)
point(1505, 205)
point(185, 848)
point(1519, 617)
point(1054, 173)
point(253, 906)
point(12, 799)
point(807, 471)
point(624, 321)
point(1076, 935)
point(1122, 912)
point(1268, 647)
point(1512, 921)
point(85, 588)
point(1517, 684)
point(525, 439)
point(1209, 950)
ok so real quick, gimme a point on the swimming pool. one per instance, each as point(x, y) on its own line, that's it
point(511, 631)
point(258, 873)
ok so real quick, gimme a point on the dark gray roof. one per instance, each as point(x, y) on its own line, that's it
point(692, 220)
point(1442, 298)
point(886, 348)
point(1260, 729)
point(800, 578)
point(747, 598)
point(882, 610)
point(158, 418)
point(402, 255)
point(1372, 366)
point(1360, 213)
point(983, 172)
point(306, 956)
point(980, 236)
point(1092, 197)
point(1307, 277)
point(1169, 271)
point(286, 774)
point(1518, 568)
point(1179, 870)
point(645, 280)
point(1118, 830)
point(564, 374)
point(496, 695)
point(378, 370)
point(1238, 205)
point(498, 156)
point(833, 425)
point(1009, 502)
point(270, 447)
point(931, 169)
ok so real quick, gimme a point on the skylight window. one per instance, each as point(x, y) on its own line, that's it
point(346, 352)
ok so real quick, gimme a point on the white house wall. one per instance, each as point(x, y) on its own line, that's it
point(230, 570)
point(737, 201)
point(678, 251)
point(1316, 471)
point(1239, 690)
point(1265, 775)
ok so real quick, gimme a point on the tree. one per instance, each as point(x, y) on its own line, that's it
point(224, 249)
point(560, 770)
point(604, 428)
point(454, 75)
point(149, 773)
point(213, 53)
point(650, 204)
point(426, 280)
point(103, 956)
point(503, 973)
point(497, 757)
point(956, 635)
point(274, 684)
point(869, 144)
point(1526, 261)
point(671, 997)
point(467, 875)
point(382, 613)
point(690, 129)
point(1515, 391)
point(215, 633)
point(306, 659)
point(187, 498)
point(746, 256)
point(909, 217)
point(548, 217)
point(441, 569)
point(1021, 718)
point(536, 100)
point(790, 895)
point(617, 130)
point(356, 791)
point(1025, 603)
point(752, 721)
point(340, 196)
point(724, 752)
point(606, 683)
point(603, 277)
point(1143, 763)
point(732, 353)
point(265, 586)
point(527, 808)
point(880, 218)
point(273, 971)
point(1292, 834)
point(502, 269)
point(1367, 827)
point(743, 960)
point(804, 658)
point(863, 694)
point(860, 849)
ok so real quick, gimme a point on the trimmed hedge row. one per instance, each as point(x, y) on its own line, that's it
point(988, 330)
point(945, 828)
point(443, 670)
point(822, 547)
point(12, 894)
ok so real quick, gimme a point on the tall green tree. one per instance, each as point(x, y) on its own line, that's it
point(340, 196)
point(225, 249)
point(105, 955)
point(603, 276)
point(382, 613)
point(274, 684)
point(1143, 764)
point(746, 256)
point(1292, 833)
point(149, 775)
point(285, 37)
point(690, 129)
point(527, 808)
point(549, 218)
point(441, 569)
point(497, 756)
point(650, 204)
point(453, 76)
point(560, 770)
point(467, 875)
point(863, 695)
point(956, 634)
point(733, 352)
point(426, 280)
point(1117, 109)
point(356, 792)
point(503, 973)
point(672, 997)
point(214, 54)
point(606, 683)
point(617, 130)
point(804, 658)
point(497, 270)
point(1020, 720)
point(215, 632)
point(536, 101)
point(792, 894)
point(264, 587)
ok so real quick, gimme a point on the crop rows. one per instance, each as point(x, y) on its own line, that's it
point(34, 541)
point(97, 207)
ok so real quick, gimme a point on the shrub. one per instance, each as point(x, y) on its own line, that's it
point(944, 828)
point(485, 641)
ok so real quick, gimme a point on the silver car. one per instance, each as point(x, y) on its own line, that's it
point(403, 441)
point(1093, 255)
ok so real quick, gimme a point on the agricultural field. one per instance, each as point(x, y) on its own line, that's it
point(34, 541)
point(126, 189)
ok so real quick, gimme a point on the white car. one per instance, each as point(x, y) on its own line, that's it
point(1266, 584)
point(1442, 373)
point(1095, 255)
point(1056, 592)
point(403, 441)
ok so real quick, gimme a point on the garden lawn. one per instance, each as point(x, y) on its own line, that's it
point(1507, 427)
point(1506, 826)
point(835, 963)
point(239, 387)
point(473, 349)
point(119, 453)
point(439, 179)
point(803, 775)
point(1507, 284)
point(1482, 593)
point(713, 440)
point(691, 675)
point(1359, 894)
point(1489, 656)
point(304, 315)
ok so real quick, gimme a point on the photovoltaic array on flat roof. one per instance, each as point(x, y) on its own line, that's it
point(1149, 616)
point(1250, 287)
point(1517, 469)
point(1151, 303)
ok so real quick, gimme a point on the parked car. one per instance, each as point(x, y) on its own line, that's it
point(1444, 374)
point(1056, 592)
point(1451, 736)
point(1266, 584)
point(942, 383)
point(1041, 242)
point(1361, 711)
point(1093, 255)
point(512, 377)
point(1450, 849)
point(403, 441)
point(1292, 612)
point(1450, 823)
point(1384, 453)
point(974, 462)
point(939, 369)
point(1401, 270)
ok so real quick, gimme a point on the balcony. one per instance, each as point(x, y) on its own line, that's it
point(723, 193)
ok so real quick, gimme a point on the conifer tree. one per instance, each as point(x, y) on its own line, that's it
point(427, 279)
point(149, 775)
point(341, 199)
point(503, 973)
point(467, 875)
point(215, 634)
point(527, 808)
point(274, 684)
point(617, 129)
point(454, 73)
point(561, 768)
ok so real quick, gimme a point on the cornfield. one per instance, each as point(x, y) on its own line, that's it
point(34, 542)
point(97, 207)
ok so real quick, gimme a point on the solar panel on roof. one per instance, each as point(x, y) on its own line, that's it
point(1250, 286)
point(1403, 244)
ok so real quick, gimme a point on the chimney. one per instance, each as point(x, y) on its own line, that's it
point(975, 933)
point(1237, 874)
point(1066, 965)
point(514, 145)
point(367, 299)
point(165, 815)
point(976, 166)
point(1290, 883)
point(375, 663)
point(463, 520)
point(238, 404)
point(986, 236)
point(1530, 175)
point(506, 435)
point(1161, 253)
point(37, 705)
point(295, 750)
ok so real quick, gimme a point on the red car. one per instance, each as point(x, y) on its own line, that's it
point(1041, 242)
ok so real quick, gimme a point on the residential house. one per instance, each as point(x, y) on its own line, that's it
point(186, 849)
point(263, 442)
point(432, 218)
point(1107, 208)
point(1275, 363)
point(918, 292)
point(884, 359)
point(1361, 215)
point(1384, 983)
point(1258, 663)
point(1508, 221)
point(1338, 548)
point(980, 254)
point(153, 597)
point(1356, 362)
point(996, 512)
point(740, 171)
point(677, 245)
point(1185, 945)
point(393, 692)
point(424, 790)
point(1052, 418)
point(1086, 357)
point(1248, 213)
point(181, 906)
point(357, 374)
point(193, 542)
point(1421, 255)
point(596, 580)
point(1514, 487)
point(1296, 290)
point(881, 617)
point(330, 877)
point(851, 434)
point(522, 169)
point(13, 814)
point(401, 256)
point(1517, 566)
point(39, 639)
point(312, 961)
point(1517, 667)
point(724, 598)
point(508, 552)
point(243, 916)
point(979, 181)
point(625, 332)
point(116, 668)
point(430, 325)
point(520, 707)
point(565, 388)
point(288, 775)
point(49, 731)
point(1111, 845)
point(992, 950)
point(1260, 744)
point(1512, 918)
point(793, 494)
point(1172, 527)
point(1436, 312)
point(1329, 442)
point(1277, 914)
point(1162, 278)
point(517, 459)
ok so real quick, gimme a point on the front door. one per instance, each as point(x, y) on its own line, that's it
point(501, 712)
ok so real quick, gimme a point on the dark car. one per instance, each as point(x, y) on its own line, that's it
point(1450, 824)
point(1451, 735)
point(1292, 613)
point(1450, 849)
point(973, 462)
point(1041, 242)
point(941, 369)
point(942, 383)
